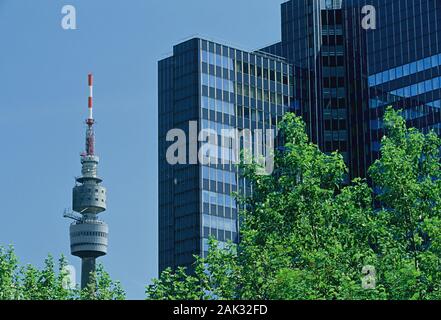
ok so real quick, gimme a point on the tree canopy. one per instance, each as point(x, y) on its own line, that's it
point(306, 234)
point(50, 283)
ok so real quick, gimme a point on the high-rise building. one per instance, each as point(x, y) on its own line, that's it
point(220, 88)
point(404, 65)
point(315, 38)
point(352, 72)
point(333, 66)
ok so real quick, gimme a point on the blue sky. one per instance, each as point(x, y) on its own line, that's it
point(43, 105)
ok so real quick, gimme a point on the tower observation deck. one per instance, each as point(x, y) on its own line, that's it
point(88, 235)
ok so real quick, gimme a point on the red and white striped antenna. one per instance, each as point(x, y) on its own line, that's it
point(90, 134)
point(90, 77)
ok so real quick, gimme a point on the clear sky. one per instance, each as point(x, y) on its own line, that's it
point(43, 105)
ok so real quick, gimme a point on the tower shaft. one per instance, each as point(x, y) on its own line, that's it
point(88, 266)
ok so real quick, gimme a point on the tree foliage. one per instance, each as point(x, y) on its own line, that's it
point(305, 234)
point(408, 181)
point(49, 283)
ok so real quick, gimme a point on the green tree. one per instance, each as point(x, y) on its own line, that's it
point(8, 275)
point(102, 287)
point(305, 234)
point(408, 179)
point(45, 284)
point(176, 286)
point(31, 283)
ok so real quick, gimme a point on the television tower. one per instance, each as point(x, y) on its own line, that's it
point(88, 235)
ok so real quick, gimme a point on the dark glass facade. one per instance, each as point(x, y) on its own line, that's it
point(327, 68)
point(404, 59)
point(353, 74)
point(315, 38)
point(179, 195)
point(220, 88)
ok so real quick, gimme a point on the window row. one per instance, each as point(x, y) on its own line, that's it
point(89, 234)
point(219, 223)
point(332, 40)
point(258, 116)
point(415, 112)
point(213, 154)
point(335, 114)
point(405, 70)
point(332, 50)
point(333, 61)
point(218, 105)
point(334, 92)
point(337, 135)
point(217, 83)
point(262, 95)
point(331, 30)
point(418, 88)
point(259, 72)
point(376, 103)
point(216, 126)
point(435, 104)
point(219, 175)
point(217, 60)
point(219, 199)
